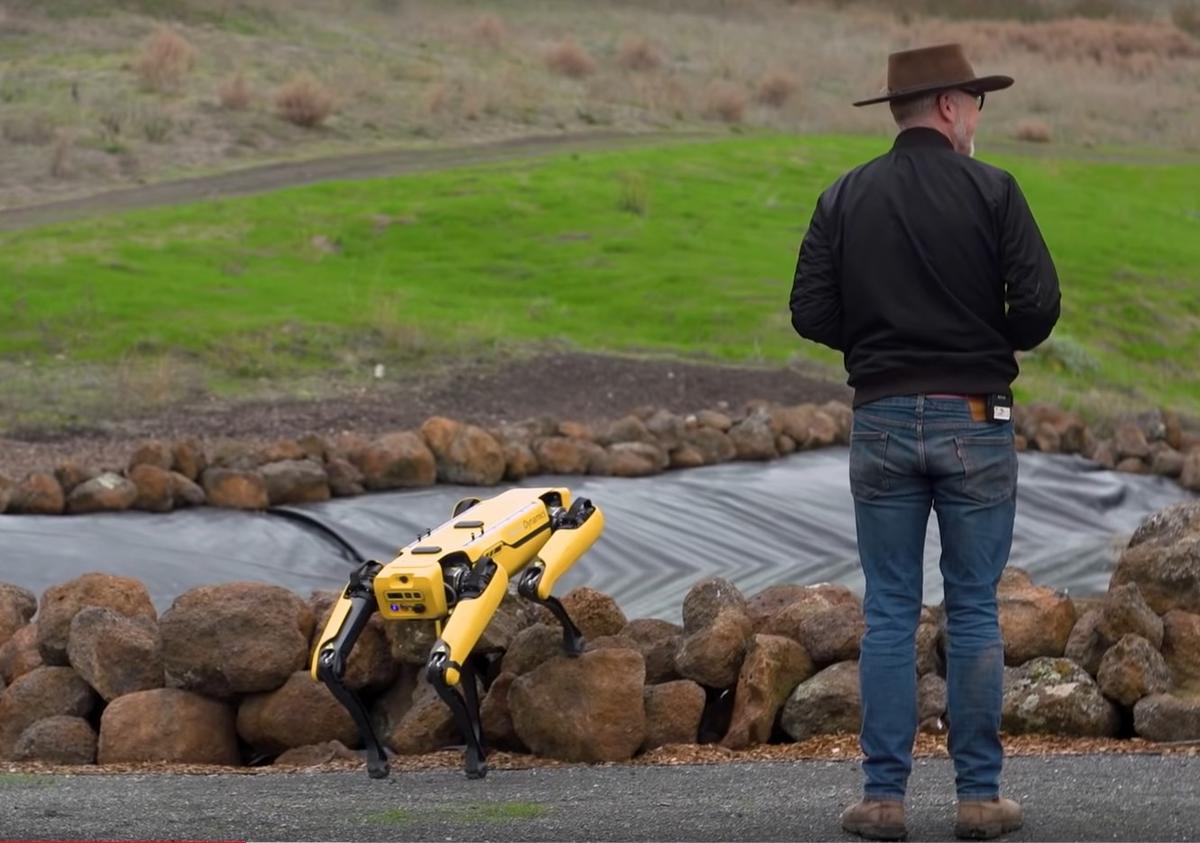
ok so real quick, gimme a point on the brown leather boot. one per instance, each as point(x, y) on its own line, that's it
point(876, 820)
point(983, 820)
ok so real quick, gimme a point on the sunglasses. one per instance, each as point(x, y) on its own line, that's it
point(978, 97)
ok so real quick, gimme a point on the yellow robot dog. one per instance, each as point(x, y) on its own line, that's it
point(459, 573)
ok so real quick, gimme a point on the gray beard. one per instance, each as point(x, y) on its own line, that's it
point(964, 144)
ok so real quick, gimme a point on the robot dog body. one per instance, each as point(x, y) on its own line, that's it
point(458, 574)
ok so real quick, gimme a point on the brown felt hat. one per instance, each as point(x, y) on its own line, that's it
point(912, 73)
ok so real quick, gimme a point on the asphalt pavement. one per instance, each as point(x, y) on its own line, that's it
point(1102, 797)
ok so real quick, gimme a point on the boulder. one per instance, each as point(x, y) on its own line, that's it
point(713, 419)
point(575, 430)
point(60, 603)
point(931, 697)
point(532, 646)
point(61, 739)
point(1167, 462)
point(300, 713)
point(188, 459)
point(17, 606)
point(464, 454)
point(167, 725)
point(1122, 612)
point(282, 450)
point(519, 461)
point(668, 428)
point(41, 693)
point(657, 640)
point(185, 492)
point(813, 427)
point(1163, 559)
point(495, 715)
point(1058, 697)
point(370, 666)
point(37, 494)
point(594, 612)
point(295, 481)
point(754, 437)
point(345, 480)
point(235, 488)
point(1132, 465)
point(317, 755)
point(426, 726)
point(1165, 717)
point(713, 445)
point(6, 492)
point(588, 708)
point(153, 452)
point(627, 429)
point(1132, 669)
point(20, 654)
point(829, 629)
point(389, 708)
point(712, 655)
point(154, 488)
point(707, 599)
point(1181, 648)
point(1189, 472)
point(930, 631)
point(71, 474)
point(827, 703)
point(636, 459)
point(113, 653)
point(1130, 441)
point(563, 455)
point(396, 461)
point(1034, 621)
point(235, 638)
point(673, 713)
point(771, 670)
point(410, 641)
point(239, 456)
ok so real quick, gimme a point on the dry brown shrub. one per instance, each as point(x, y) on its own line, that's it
point(59, 166)
point(776, 87)
point(1186, 16)
point(304, 101)
point(234, 93)
point(490, 31)
point(569, 58)
point(1032, 130)
point(165, 59)
point(637, 53)
point(1106, 42)
point(726, 101)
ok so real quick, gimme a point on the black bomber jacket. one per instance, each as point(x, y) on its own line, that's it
point(926, 269)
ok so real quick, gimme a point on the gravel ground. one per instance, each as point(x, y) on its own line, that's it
point(1100, 797)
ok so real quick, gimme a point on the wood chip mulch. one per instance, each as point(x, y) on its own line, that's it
point(824, 748)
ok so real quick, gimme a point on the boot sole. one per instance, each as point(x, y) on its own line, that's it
point(878, 832)
point(984, 832)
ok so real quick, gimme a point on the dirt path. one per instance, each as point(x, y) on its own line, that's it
point(358, 166)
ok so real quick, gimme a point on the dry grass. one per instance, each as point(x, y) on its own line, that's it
point(637, 53)
point(569, 58)
point(776, 87)
point(1032, 130)
point(726, 101)
point(234, 93)
point(166, 58)
point(35, 128)
point(304, 101)
point(59, 159)
point(1186, 16)
point(490, 31)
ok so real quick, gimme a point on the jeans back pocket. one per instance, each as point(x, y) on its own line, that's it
point(989, 465)
point(868, 464)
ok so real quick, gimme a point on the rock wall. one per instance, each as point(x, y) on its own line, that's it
point(89, 673)
point(162, 476)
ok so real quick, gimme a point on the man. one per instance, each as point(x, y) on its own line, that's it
point(927, 270)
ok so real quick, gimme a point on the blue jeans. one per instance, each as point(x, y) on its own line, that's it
point(908, 454)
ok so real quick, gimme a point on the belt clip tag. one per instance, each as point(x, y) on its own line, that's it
point(999, 407)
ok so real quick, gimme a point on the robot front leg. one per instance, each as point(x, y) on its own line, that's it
point(575, 530)
point(351, 613)
point(449, 662)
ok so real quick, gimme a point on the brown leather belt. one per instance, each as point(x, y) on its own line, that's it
point(977, 404)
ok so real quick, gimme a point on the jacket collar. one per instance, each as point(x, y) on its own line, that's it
point(921, 136)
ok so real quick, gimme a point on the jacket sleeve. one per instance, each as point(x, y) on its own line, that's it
point(816, 300)
point(1032, 291)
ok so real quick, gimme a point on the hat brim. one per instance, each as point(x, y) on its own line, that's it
point(982, 85)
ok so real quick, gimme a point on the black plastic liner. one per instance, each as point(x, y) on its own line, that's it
point(789, 520)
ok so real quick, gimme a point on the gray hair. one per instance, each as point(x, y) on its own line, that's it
point(909, 111)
